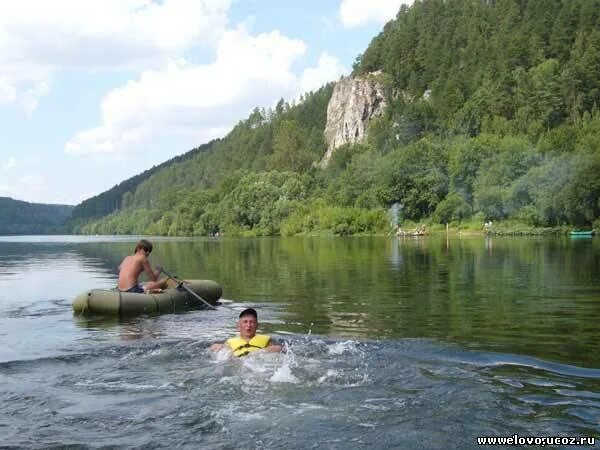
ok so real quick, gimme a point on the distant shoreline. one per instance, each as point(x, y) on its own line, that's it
point(410, 231)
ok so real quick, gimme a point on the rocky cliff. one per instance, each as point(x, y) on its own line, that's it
point(353, 103)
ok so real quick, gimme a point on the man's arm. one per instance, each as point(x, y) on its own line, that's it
point(273, 348)
point(148, 269)
point(216, 347)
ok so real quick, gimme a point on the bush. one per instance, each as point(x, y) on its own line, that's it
point(529, 215)
point(452, 208)
point(340, 221)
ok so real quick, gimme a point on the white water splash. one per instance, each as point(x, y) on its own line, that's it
point(223, 355)
point(280, 364)
point(330, 374)
point(284, 374)
point(341, 347)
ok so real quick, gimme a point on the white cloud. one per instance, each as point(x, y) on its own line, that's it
point(19, 176)
point(23, 84)
point(8, 93)
point(328, 69)
point(355, 13)
point(32, 178)
point(202, 101)
point(41, 38)
point(8, 164)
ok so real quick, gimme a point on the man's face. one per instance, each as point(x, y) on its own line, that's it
point(247, 326)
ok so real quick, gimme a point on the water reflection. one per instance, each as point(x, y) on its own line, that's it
point(531, 296)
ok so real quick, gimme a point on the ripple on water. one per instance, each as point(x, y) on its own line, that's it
point(407, 393)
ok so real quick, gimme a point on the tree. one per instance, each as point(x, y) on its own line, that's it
point(452, 208)
point(289, 148)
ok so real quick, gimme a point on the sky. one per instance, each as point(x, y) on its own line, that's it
point(95, 92)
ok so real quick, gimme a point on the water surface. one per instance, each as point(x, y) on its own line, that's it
point(403, 343)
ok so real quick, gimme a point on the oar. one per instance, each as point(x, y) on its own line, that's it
point(182, 284)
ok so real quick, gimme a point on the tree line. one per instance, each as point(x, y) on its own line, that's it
point(19, 217)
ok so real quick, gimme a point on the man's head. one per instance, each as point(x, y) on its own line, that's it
point(145, 245)
point(248, 323)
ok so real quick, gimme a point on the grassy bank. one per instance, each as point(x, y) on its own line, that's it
point(477, 228)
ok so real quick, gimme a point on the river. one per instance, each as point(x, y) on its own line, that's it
point(392, 343)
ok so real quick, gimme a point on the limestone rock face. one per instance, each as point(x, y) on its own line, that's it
point(353, 103)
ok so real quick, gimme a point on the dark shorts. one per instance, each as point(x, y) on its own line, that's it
point(136, 288)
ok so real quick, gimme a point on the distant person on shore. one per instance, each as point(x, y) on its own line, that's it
point(247, 341)
point(132, 267)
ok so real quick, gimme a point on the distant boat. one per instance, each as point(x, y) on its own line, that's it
point(581, 233)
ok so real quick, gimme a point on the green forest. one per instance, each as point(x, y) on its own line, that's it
point(18, 217)
point(493, 113)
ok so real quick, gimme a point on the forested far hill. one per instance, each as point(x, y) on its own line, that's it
point(18, 217)
point(492, 114)
point(118, 196)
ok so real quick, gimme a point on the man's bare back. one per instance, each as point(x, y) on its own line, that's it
point(132, 267)
point(130, 270)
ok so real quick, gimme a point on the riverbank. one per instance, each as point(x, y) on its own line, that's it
point(505, 228)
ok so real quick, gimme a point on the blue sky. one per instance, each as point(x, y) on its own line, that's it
point(94, 92)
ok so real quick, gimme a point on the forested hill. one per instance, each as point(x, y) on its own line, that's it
point(118, 196)
point(492, 113)
point(18, 217)
point(522, 66)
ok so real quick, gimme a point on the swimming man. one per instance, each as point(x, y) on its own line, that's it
point(247, 341)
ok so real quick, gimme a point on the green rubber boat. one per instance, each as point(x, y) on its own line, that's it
point(112, 302)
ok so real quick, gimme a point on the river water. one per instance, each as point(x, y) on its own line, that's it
point(392, 343)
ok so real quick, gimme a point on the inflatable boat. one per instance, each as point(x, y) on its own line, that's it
point(174, 298)
point(581, 233)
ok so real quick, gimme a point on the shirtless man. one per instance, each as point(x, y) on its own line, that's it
point(132, 266)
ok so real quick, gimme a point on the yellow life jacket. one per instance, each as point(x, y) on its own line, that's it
point(241, 347)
